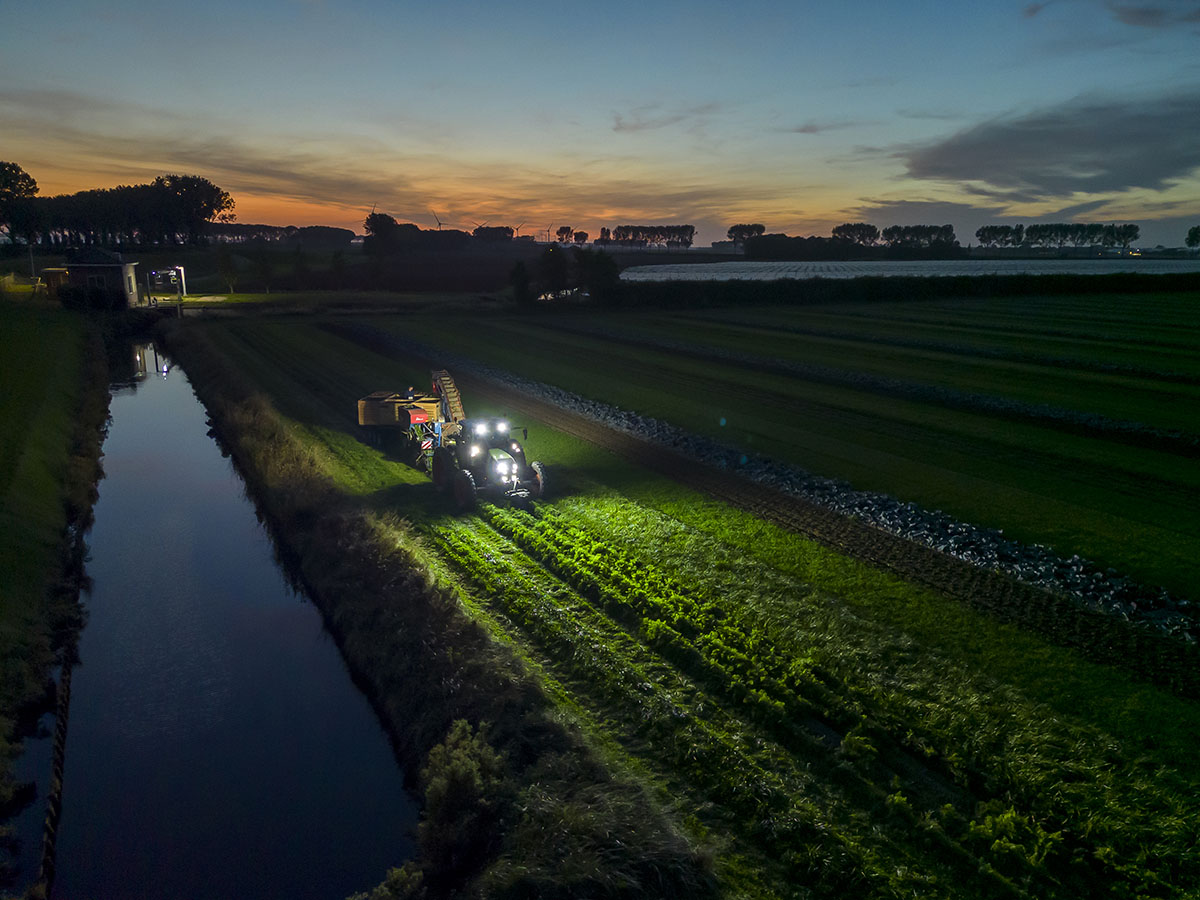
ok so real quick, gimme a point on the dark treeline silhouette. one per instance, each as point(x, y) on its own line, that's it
point(172, 209)
point(858, 241)
point(648, 236)
point(1058, 235)
point(314, 236)
point(739, 234)
point(387, 237)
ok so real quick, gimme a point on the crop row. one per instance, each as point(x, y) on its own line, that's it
point(781, 687)
point(822, 838)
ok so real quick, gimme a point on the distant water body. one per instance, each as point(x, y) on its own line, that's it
point(772, 271)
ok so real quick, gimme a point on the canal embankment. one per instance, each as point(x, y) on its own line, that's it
point(55, 392)
point(516, 802)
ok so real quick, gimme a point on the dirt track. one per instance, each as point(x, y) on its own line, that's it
point(1105, 639)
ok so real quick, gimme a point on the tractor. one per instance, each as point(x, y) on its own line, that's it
point(466, 456)
point(482, 456)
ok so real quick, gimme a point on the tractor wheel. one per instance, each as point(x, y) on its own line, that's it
point(539, 473)
point(464, 490)
point(443, 468)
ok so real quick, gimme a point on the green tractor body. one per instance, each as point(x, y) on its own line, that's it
point(483, 457)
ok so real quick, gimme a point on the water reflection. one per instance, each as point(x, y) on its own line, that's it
point(217, 745)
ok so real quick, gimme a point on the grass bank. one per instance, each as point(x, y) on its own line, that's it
point(516, 802)
point(53, 407)
point(835, 731)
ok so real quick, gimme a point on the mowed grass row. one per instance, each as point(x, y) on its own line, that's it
point(1140, 397)
point(1054, 768)
point(1125, 507)
point(1102, 329)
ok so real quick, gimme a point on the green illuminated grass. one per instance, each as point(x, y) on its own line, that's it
point(1119, 503)
point(708, 651)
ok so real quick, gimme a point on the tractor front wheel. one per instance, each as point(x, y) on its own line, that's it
point(464, 490)
point(443, 468)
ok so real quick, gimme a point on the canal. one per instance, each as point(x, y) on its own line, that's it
point(217, 745)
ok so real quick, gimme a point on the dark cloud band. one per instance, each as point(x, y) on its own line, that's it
point(1086, 145)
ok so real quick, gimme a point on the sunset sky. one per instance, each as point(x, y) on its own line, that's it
point(794, 114)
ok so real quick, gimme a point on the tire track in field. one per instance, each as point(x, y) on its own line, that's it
point(1149, 655)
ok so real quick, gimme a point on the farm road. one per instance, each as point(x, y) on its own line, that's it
point(1105, 639)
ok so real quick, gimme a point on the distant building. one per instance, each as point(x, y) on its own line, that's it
point(95, 278)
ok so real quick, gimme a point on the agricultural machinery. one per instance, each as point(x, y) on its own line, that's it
point(468, 457)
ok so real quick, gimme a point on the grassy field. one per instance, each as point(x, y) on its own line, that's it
point(1063, 421)
point(826, 729)
point(44, 484)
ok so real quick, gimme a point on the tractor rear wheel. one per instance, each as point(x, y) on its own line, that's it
point(443, 468)
point(464, 490)
point(539, 474)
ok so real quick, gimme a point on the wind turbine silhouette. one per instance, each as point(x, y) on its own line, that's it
point(548, 227)
point(436, 219)
point(517, 230)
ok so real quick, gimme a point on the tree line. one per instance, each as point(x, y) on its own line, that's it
point(309, 236)
point(1058, 235)
point(852, 240)
point(172, 209)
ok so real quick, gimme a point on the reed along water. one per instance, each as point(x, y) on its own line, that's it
point(217, 745)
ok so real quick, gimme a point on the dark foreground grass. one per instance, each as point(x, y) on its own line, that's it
point(516, 804)
point(695, 641)
point(53, 405)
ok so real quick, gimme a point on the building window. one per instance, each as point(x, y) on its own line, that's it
point(97, 281)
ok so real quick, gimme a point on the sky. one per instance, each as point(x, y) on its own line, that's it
point(797, 115)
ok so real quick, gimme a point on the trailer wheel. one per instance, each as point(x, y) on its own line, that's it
point(443, 468)
point(464, 490)
point(539, 473)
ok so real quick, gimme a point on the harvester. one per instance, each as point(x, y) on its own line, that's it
point(468, 457)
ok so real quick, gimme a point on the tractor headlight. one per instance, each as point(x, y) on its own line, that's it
point(516, 446)
point(502, 427)
point(481, 428)
point(502, 467)
point(476, 449)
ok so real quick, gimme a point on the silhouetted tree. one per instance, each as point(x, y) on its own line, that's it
point(861, 233)
point(597, 273)
point(564, 234)
point(1193, 236)
point(493, 232)
point(580, 237)
point(521, 284)
point(553, 270)
point(16, 188)
point(226, 266)
point(739, 234)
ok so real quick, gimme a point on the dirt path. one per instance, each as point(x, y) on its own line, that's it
point(1111, 641)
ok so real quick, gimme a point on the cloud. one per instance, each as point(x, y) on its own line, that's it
point(1086, 145)
point(1156, 15)
point(647, 118)
point(812, 127)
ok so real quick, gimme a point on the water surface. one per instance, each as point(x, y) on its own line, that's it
point(217, 746)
